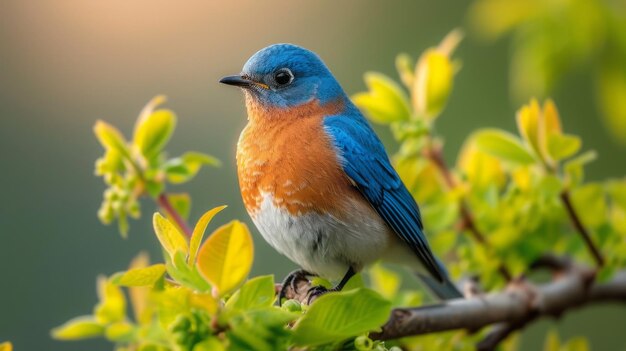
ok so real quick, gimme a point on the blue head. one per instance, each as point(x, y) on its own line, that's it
point(286, 75)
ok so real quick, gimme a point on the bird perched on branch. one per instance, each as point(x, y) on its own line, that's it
point(316, 179)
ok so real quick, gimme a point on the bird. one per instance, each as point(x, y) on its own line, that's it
point(316, 179)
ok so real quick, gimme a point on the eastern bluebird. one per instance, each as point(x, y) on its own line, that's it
point(316, 179)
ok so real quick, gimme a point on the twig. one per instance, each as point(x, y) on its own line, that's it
point(165, 204)
point(584, 233)
point(435, 155)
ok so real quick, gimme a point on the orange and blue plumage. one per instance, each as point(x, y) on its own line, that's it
point(315, 178)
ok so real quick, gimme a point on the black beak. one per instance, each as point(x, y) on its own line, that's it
point(237, 81)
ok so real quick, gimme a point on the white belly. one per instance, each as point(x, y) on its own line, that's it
point(323, 244)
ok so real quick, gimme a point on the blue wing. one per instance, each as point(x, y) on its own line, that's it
point(365, 161)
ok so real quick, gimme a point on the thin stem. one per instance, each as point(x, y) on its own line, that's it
point(435, 155)
point(584, 233)
point(165, 204)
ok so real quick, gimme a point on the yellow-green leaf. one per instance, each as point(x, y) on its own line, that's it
point(404, 65)
point(226, 257)
point(182, 169)
point(503, 145)
point(574, 167)
point(385, 102)
point(170, 237)
point(434, 77)
point(138, 295)
point(210, 344)
point(590, 203)
point(576, 344)
point(384, 280)
point(432, 83)
point(112, 305)
point(140, 276)
point(111, 138)
point(198, 232)
point(78, 328)
point(153, 132)
point(530, 125)
point(562, 146)
point(551, 118)
point(611, 82)
point(181, 203)
point(119, 332)
point(479, 168)
point(552, 342)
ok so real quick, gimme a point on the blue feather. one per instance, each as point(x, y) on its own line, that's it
point(365, 161)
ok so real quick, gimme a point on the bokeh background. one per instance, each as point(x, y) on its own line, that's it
point(64, 64)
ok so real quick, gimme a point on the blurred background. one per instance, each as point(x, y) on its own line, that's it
point(64, 64)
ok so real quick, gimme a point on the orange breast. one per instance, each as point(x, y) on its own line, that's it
point(287, 154)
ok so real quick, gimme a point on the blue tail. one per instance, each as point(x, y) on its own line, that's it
point(445, 290)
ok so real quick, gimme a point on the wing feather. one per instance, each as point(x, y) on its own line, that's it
point(365, 161)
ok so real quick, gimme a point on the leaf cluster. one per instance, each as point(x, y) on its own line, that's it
point(132, 169)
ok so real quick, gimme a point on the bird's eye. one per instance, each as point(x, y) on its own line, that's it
point(283, 76)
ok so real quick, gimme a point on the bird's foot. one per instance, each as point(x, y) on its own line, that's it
point(291, 284)
point(316, 291)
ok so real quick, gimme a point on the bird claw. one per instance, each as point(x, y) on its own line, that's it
point(316, 291)
point(291, 283)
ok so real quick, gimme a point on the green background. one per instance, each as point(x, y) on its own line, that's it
point(64, 64)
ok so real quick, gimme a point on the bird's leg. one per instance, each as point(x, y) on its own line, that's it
point(317, 291)
point(291, 282)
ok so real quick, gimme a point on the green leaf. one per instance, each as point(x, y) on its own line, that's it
point(611, 89)
point(503, 145)
point(384, 280)
point(78, 328)
point(112, 305)
point(184, 168)
point(260, 330)
point(256, 293)
point(181, 203)
point(186, 275)
point(210, 344)
point(404, 65)
point(577, 344)
point(337, 316)
point(617, 190)
point(552, 342)
point(169, 236)
point(561, 146)
point(140, 276)
point(198, 232)
point(119, 332)
point(589, 202)
point(385, 102)
point(111, 138)
point(574, 168)
point(153, 132)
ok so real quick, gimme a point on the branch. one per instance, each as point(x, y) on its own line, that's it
point(510, 310)
point(435, 155)
point(165, 204)
point(597, 256)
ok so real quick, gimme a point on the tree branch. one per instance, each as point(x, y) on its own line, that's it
point(567, 202)
point(435, 155)
point(510, 310)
